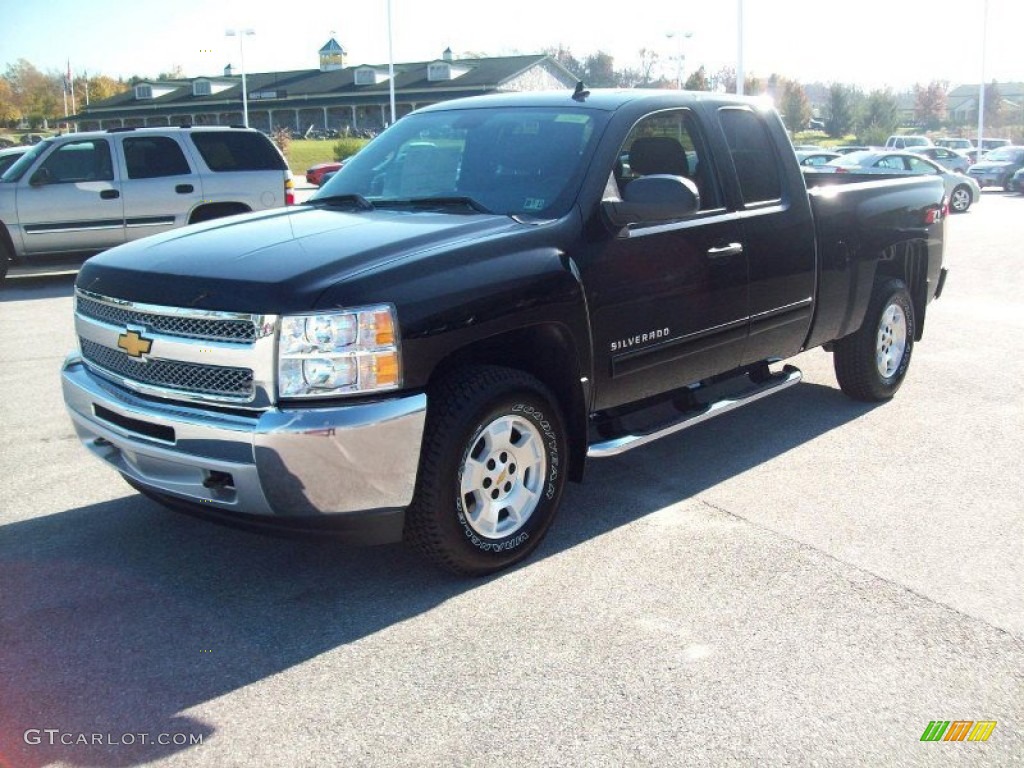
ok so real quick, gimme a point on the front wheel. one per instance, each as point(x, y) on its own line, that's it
point(872, 362)
point(960, 200)
point(492, 470)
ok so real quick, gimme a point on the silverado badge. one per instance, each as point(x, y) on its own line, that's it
point(134, 344)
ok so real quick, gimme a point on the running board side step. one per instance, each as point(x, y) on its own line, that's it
point(785, 379)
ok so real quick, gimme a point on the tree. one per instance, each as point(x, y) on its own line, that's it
point(599, 70)
point(795, 108)
point(9, 113)
point(564, 57)
point(841, 110)
point(648, 59)
point(698, 80)
point(100, 87)
point(881, 116)
point(930, 104)
point(993, 104)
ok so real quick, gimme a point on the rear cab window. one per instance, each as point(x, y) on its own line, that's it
point(753, 156)
point(224, 151)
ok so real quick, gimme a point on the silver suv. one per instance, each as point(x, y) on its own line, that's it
point(84, 192)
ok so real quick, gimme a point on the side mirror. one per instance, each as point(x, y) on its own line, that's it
point(653, 199)
point(40, 178)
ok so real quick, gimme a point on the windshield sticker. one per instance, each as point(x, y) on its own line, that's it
point(534, 204)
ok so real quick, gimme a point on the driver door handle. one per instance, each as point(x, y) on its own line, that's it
point(732, 249)
point(183, 189)
point(110, 194)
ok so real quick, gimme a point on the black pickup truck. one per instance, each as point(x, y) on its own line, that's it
point(493, 291)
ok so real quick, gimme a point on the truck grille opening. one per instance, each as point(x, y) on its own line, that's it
point(144, 428)
point(182, 377)
point(209, 329)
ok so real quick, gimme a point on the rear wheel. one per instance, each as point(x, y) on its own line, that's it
point(492, 470)
point(872, 363)
point(960, 200)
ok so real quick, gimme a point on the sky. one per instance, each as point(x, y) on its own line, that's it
point(870, 43)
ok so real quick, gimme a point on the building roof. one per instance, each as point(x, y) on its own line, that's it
point(314, 87)
point(333, 46)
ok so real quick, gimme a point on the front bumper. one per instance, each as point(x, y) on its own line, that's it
point(355, 464)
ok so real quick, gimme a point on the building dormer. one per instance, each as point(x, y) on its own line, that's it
point(332, 56)
point(205, 86)
point(439, 71)
point(448, 55)
point(370, 76)
point(147, 91)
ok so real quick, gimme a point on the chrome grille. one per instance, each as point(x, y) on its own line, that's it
point(240, 330)
point(185, 377)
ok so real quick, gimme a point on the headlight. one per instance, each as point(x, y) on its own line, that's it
point(339, 353)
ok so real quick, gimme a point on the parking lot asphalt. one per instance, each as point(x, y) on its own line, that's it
point(806, 581)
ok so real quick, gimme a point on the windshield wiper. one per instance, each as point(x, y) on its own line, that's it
point(358, 201)
point(450, 201)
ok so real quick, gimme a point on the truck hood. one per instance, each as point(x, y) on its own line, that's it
point(277, 261)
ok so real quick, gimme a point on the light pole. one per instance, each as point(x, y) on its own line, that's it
point(242, 34)
point(391, 67)
point(740, 76)
point(981, 88)
point(681, 58)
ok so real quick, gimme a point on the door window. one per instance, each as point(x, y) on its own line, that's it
point(77, 161)
point(666, 143)
point(150, 157)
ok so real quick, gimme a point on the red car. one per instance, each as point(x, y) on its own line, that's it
point(315, 175)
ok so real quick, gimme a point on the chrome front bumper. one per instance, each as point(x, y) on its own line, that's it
point(355, 461)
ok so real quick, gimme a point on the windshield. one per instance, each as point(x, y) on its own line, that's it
point(1005, 155)
point(17, 170)
point(515, 161)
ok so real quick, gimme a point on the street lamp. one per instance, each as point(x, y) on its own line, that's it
point(242, 34)
point(679, 61)
point(740, 74)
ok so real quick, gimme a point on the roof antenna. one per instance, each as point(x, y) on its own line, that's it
point(581, 92)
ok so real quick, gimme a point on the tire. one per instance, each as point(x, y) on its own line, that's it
point(5, 261)
point(492, 470)
point(872, 362)
point(960, 200)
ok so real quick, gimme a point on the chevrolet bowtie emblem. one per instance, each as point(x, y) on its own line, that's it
point(134, 344)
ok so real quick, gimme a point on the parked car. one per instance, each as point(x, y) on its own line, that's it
point(315, 175)
point(961, 190)
point(1016, 183)
point(819, 157)
point(8, 157)
point(82, 193)
point(987, 144)
point(448, 331)
point(947, 158)
point(906, 142)
point(808, 148)
point(997, 166)
point(960, 145)
point(845, 149)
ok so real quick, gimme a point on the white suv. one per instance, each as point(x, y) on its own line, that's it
point(81, 193)
point(907, 142)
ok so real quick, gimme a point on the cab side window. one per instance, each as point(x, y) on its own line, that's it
point(151, 157)
point(666, 143)
point(77, 161)
point(753, 156)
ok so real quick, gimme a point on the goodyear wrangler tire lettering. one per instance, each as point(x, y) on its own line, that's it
point(491, 476)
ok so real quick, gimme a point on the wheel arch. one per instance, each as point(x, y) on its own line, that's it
point(210, 211)
point(908, 261)
point(546, 352)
